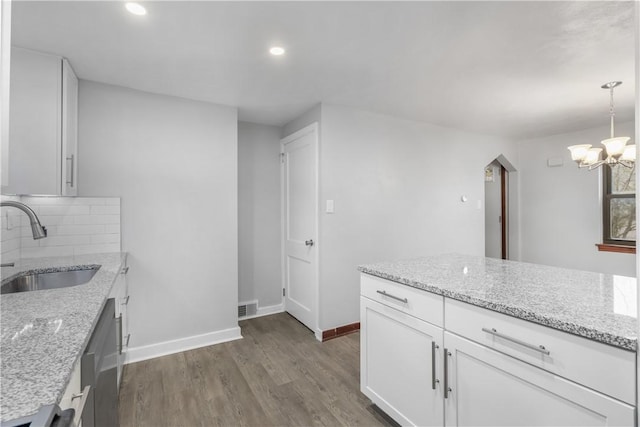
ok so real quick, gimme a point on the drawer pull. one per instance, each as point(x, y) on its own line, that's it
point(125, 270)
point(539, 348)
point(125, 300)
point(404, 300)
point(434, 347)
point(447, 390)
point(84, 395)
point(70, 182)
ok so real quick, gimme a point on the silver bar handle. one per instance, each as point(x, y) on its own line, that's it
point(72, 162)
point(446, 373)
point(404, 300)
point(126, 343)
point(125, 270)
point(125, 300)
point(434, 347)
point(77, 419)
point(539, 348)
point(119, 323)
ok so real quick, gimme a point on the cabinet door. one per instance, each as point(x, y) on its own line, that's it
point(399, 372)
point(69, 174)
point(35, 123)
point(489, 388)
point(120, 293)
point(124, 309)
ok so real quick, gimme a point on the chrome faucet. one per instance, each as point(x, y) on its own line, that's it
point(38, 231)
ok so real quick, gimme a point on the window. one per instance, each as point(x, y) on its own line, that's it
point(619, 205)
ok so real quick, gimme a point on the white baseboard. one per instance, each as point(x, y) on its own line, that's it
point(146, 352)
point(265, 311)
point(318, 334)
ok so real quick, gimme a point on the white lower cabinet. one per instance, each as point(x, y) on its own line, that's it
point(120, 293)
point(490, 370)
point(401, 359)
point(488, 388)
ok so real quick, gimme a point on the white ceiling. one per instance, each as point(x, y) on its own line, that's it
point(516, 69)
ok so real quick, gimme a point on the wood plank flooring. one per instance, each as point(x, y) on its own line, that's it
point(277, 375)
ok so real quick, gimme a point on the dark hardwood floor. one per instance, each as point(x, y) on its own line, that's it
point(278, 375)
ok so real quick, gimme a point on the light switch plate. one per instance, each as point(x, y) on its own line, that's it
point(330, 206)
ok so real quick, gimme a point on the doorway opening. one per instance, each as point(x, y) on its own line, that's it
point(496, 205)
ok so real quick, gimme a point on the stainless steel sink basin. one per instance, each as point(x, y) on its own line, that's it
point(53, 280)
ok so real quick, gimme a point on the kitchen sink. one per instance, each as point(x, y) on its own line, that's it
point(51, 280)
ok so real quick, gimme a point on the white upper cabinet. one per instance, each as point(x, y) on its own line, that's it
point(69, 130)
point(43, 125)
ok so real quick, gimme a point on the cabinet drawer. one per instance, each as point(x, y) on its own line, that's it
point(604, 368)
point(421, 304)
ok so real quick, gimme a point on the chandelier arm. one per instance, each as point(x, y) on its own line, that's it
point(626, 163)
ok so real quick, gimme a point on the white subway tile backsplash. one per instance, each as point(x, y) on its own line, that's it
point(10, 245)
point(75, 225)
point(49, 220)
point(112, 228)
point(66, 201)
point(64, 210)
point(10, 231)
point(105, 210)
point(28, 242)
point(65, 241)
point(8, 256)
point(105, 238)
point(47, 251)
point(65, 230)
point(97, 219)
point(92, 249)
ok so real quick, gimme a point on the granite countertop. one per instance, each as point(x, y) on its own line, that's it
point(45, 332)
point(601, 307)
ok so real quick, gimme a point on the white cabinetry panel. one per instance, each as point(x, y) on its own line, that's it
point(43, 125)
point(397, 364)
point(595, 365)
point(489, 388)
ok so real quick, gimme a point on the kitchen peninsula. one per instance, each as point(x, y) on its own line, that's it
point(481, 341)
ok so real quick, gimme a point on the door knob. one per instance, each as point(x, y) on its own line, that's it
point(308, 242)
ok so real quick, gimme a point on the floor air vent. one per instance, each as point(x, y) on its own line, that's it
point(249, 309)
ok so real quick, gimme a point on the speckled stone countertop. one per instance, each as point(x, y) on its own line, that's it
point(601, 307)
point(45, 332)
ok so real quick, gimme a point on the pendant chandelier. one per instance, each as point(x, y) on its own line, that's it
point(616, 150)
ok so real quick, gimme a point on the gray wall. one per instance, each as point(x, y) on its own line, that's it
point(259, 256)
point(560, 211)
point(313, 115)
point(397, 186)
point(173, 162)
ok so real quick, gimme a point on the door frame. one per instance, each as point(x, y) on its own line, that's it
point(504, 211)
point(312, 128)
point(506, 170)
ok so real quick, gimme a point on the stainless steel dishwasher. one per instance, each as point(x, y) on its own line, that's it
point(99, 370)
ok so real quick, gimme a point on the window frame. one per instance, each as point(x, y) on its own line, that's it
point(607, 196)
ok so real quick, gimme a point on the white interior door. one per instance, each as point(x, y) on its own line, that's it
point(300, 195)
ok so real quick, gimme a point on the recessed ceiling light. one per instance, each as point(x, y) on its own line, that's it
point(136, 8)
point(277, 51)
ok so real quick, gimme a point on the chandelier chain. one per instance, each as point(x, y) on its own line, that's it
point(612, 111)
